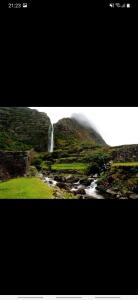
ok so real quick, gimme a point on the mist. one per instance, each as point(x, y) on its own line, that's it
point(117, 125)
point(83, 120)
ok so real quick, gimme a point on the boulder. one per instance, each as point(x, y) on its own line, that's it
point(71, 179)
point(59, 178)
point(133, 196)
point(62, 185)
point(85, 181)
point(50, 182)
point(95, 176)
point(109, 191)
point(80, 191)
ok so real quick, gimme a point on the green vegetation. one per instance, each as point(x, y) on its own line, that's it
point(25, 188)
point(92, 169)
point(22, 128)
point(32, 171)
point(69, 166)
point(30, 188)
point(121, 177)
point(10, 143)
point(125, 164)
point(68, 131)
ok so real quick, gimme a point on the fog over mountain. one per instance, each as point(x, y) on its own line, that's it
point(117, 125)
point(83, 120)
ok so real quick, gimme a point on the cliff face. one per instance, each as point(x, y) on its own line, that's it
point(125, 153)
point(22, 128)
point(68, 131)
point(13, 164)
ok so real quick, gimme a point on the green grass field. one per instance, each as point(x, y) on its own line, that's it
point(69, 166)
point(25, 188)
point(125, 164)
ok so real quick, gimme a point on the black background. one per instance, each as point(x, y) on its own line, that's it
point(41, 4)
point(70, 57)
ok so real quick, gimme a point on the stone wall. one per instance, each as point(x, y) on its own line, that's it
point(14, 164)
point(126, 153)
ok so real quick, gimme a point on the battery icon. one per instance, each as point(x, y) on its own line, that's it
point(24, 5)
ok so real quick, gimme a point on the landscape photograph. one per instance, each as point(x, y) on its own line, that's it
point(69, 153)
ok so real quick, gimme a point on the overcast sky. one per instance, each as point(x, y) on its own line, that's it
point(117, 125)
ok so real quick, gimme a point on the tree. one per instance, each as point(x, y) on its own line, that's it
point(49, 164)
point(92, 169)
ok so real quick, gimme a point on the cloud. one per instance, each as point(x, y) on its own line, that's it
point(83, 120)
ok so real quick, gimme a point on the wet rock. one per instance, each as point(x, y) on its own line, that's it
point(71, 179)
point(80, 191)
point(50, 182)
point(90, 178)
point(80, 197)
point(133, 196)
point(62, 185)
point(59, 178)
point(85, 181)
point(95, 176)
point(40, 176)
point(68, 177)
point(109, 191)
point(118, 195)
point(81, 186)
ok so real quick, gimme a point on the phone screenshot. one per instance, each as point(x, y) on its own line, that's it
point(34, 4)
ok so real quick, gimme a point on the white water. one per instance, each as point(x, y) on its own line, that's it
point(51, 139)
point(50, 181)
point(91, 190)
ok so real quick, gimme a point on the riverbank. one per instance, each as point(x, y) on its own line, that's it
point(120, 181)
point(80, 186)
point(31, 188)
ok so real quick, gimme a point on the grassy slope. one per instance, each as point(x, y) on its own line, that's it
point(29, 188)
point(69, 166)
point(25, 188)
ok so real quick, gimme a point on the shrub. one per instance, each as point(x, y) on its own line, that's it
point(93, 168)
point(32, 171)
point(37, 163)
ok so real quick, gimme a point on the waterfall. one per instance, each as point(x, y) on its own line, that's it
point(51, 138)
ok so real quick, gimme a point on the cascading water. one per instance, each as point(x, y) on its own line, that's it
point(91, 190)
point(51, 139)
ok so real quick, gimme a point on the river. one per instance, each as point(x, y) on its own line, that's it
point(90, 190)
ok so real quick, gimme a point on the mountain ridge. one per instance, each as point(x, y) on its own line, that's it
point(23, 128)
point(69, 130)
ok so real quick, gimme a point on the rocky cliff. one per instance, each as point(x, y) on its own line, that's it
point(125, 153)
point(13, 164)
point(22, 128)
point(69, 131)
